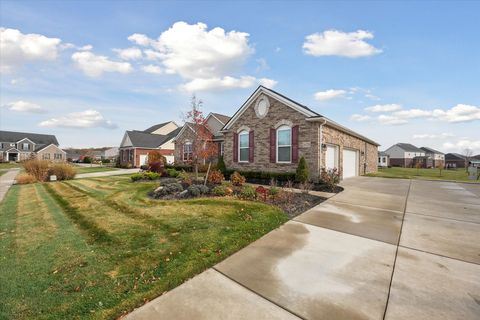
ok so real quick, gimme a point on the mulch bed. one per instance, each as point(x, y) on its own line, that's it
point(315, 186)
point(297, 203)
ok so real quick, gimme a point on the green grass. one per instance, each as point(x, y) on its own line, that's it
point(412, 173)
point(9, 165)
point(97, 248)
point(93, 169)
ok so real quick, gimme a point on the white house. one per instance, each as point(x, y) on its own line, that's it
point(383, 159)
point(404, 154)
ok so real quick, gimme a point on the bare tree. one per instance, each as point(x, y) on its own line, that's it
point(467, 154)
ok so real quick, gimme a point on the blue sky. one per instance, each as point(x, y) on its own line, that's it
point(395, 72)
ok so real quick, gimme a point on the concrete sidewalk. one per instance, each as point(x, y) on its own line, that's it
point(106, 173)
point(382, 249)
point(6, 181)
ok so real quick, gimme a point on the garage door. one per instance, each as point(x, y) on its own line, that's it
point(350, 163)
point(143, 159)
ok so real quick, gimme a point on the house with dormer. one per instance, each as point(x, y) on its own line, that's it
point(21, 146)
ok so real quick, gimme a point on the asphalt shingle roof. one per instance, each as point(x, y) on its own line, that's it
point(409, 147)
point(155, 127)
point(430, 150)
point(141, 139)
point(40, 140)
point(221, 117)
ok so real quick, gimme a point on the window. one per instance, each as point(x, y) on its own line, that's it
point(187, 151)
point(57, 156)
point(26, 146)
point(243, 146)
point(284, 144)
point(384, 159)
point(46, 156)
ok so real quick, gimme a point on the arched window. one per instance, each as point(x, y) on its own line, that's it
point(243, 146)
point(187, 151)
point(284, 144)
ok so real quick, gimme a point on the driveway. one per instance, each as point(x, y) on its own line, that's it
point(382, 249)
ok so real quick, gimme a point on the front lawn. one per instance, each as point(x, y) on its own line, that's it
point(97, 248)
point(412, 173)
point(80, 169)
point(9, 165)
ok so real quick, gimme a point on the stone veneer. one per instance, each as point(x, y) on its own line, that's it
point(308, 142)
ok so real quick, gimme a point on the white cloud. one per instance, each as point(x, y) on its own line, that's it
point(387, 119)
point(94, 65)
point(85, 119)
point(140, 39)
point(412, 113)
point(132, 53)
point(152, 69)
point(262, 65)
point(359, 117)
point(463, 144)
point(338, 43)
point(459, 113)
point(226, 82)
point(384, 108)
point(24, 106)
point(152, 55)
point(18, 48)
point(432, 135)
point(329, 94)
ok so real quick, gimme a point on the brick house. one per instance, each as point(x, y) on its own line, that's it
point(214, 122)
point(270, 132)
point(436, 158)
point(21, 146)
point(136, 145)
point(406, 155)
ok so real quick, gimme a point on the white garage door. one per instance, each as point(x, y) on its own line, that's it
point(143, 159)
point(331, 159)
point(350, 163)
point(170, 159)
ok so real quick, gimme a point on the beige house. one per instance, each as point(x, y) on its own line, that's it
point(270, 132)
point(21, 146)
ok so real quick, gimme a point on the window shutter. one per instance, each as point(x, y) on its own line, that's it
point(273, 145)
point(235, 147)
point(251, 145)
point(295, 144)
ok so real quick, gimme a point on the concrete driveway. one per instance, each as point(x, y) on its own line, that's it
point(382, 249)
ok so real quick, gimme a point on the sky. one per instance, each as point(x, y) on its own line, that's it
point(87, 71)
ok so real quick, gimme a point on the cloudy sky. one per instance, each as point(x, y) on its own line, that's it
point(89, 70)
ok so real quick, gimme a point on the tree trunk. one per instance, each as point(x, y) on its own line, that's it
point(208, 171)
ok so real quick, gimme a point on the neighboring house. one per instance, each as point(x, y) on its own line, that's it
point(405, 155)
point(136, 145)
point(270, 132)
point(455, 160)
point(21, 146)
point(383, 159)
point(111, 153)
point(437, 158)
point(214, 122)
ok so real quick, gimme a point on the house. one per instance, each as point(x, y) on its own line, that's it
point(455, 160)
point(110, 153)
point(406, 155)
point(214, 122)
point(437, 157)
point(136, 145)
point(21, 146)
point(270, 132)
point(383, 159)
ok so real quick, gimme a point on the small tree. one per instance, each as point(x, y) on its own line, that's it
point(221, 165)
point(302, 171)
point(203, 148)
point(440, 168)
point(467, 154)
point(418, 165)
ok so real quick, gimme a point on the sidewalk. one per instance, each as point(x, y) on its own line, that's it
point(107, 173)
point(6, 180)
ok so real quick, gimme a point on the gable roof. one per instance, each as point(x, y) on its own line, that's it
point(275, 95)
point(141, 139)
point(451, 155)
point(221, 117)
point(430, 150)
point(156, 127)
point(409, 147)
point(12, 136)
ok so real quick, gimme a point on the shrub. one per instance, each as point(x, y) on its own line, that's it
point(203, 189)
point(185, 178)
point(248, 192)
point(157, 167)
point(63, 171)
point(215, 177)
point(106, 160)
point(221, 165)
point(302, 173)
point(168, 181)
point(260, 175)
point(167, 189)
point(237, 179)
point(220, 191)
point(154, 157)
point(171, 172)
point(87, 160)
point(25, 178)
point(144, 167)
point(37, 168)
point(180, 167)
point(151, 175)
point(274, 191)
point(136, 176)
point(194, 190)
point(330, 177)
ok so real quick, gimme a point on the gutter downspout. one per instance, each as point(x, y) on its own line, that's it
point(320, 142)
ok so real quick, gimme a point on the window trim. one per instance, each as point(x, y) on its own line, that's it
point(187, 143)
point(25, 144)
point(241, 133)
point(282, 128)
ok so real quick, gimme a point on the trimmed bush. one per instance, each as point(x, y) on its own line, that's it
point(25, 178)
point(171, 172)
point(220, 191)
point(302, 171)
point(151, 175)
point(63, 171)
point(215, 177)
point(237, 179)
point(136, 176)
point(193, 190)
point(203, 189)
point(254, 176)
point(221, 165)
point(180, 167)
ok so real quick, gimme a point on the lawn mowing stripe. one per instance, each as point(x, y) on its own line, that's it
point(80, 187)
point(95, 232)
